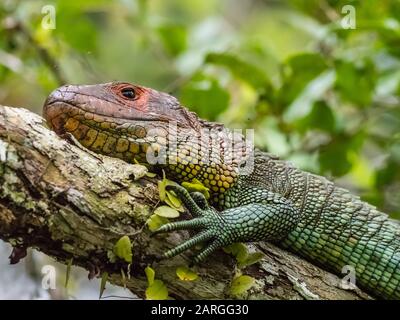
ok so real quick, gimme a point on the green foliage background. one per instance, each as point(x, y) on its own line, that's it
point(324, 97)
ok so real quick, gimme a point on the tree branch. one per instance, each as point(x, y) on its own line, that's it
point(70, 204)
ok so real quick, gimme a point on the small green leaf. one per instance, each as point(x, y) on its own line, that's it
point(150, 274)
point(167, 196)
point(157, 291)
point(238, 250)
point(151, 174)
point(198, 186)
point(251, 258)
point(179, 209)
point(241, 284)
point(155, 221)
point(167, 212)
point(104, 278)
point(173, 201)
point(243, 257)
point(161, 189)
point(123, 249)
point(68, 273)
point(185, 274)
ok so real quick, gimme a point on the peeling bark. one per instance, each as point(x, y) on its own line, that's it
point(68, 203)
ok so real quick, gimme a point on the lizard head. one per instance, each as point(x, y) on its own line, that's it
point(136, 123)
point(118, 118)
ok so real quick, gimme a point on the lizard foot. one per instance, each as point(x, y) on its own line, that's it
point(271, 218)
point(206, 219)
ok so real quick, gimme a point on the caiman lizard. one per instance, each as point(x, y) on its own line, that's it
point(254, 195)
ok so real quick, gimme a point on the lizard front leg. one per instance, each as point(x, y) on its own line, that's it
point(271, 217)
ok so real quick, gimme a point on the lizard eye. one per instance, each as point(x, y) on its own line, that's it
point(128, 93)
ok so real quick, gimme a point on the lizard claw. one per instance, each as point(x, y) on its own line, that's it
point(200, 200)
point(187, 200)
point(207, 220)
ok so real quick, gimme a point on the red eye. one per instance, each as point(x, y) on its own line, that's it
point(128, 93)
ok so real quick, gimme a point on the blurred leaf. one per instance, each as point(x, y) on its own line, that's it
point(205, 96)
point(394, 149)
point(305, 65)
point(82, 33)
point(298, 71)
point(386, 176)
point(173, 37)
point(314, 91)
point(334, 157)
point(361, 171)
point(270, 136)
point(243, 70)
point(389, 30)
point(45, 78)
point(321, 117)
point(356, 83)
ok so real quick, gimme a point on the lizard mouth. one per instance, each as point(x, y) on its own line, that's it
point(125, 139)
point(64, 116)
point(57, 112)
point(95, 102)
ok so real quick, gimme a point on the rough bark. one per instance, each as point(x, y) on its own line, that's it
point(68, 203)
